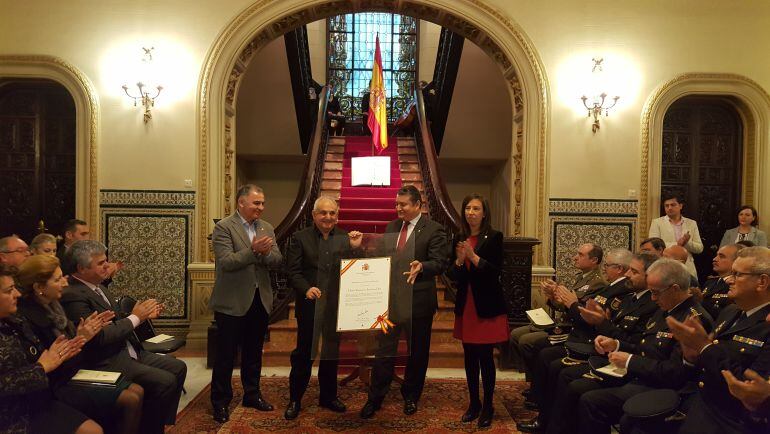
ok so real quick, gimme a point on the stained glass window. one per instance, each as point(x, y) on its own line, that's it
point(351, 53)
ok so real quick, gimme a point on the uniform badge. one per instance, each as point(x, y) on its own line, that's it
point(664, 335)
point(615, 303)
point(650, 324)
point(601, 300)
point(749, 341)
point(719, 327)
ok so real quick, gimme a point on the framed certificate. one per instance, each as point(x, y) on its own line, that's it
point(364, 292)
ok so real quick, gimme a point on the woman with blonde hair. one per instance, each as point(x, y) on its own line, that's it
point(41, 283)
point(43, 244)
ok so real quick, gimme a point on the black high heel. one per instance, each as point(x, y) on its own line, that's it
point(471, 413)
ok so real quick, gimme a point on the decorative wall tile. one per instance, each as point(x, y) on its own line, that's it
point(151, 232)
point(608, 223)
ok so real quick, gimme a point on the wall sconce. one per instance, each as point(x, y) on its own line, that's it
point(599, 98)
point(144, 94)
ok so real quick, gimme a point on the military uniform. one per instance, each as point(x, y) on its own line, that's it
point(715, 295)
point(527, 341)
point(626, 322)
point(740, 343)
point(656, 362)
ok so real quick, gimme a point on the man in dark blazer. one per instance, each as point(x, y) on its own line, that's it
point(116, 348)
point(424, 241)
point(741, 341)
point(244, 250)
point(313, 265)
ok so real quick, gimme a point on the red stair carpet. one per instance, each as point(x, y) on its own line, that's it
point(368, 209)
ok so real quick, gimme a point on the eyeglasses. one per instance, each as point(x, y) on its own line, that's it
point(19, 250)
point(610, 264)
point(737, 274)
point(657, 292)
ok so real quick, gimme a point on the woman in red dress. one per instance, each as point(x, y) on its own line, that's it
point(480, 310)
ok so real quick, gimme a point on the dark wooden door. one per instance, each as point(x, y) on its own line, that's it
point(702, 149)
point(37, 157)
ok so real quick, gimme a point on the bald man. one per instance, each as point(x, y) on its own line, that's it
point(679, 253)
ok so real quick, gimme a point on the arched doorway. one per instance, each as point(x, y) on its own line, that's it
point(702, 162)
point(256, 26)
point(38, 144)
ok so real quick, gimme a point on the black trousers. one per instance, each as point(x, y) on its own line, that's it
point(248, 332)
point(162, 378)
point(599, 409)
point(418, 342)
point(302, 356)
point(562, 411)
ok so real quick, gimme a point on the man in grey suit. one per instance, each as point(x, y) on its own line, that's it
point(244, 250)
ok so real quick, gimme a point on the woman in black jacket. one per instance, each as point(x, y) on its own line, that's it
point(26, 404)
point(480, 309)
point(41, 283)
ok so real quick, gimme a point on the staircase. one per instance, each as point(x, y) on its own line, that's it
point(369, 209)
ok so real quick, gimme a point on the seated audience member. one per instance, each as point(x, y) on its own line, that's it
point(527, 341)
point(753, 392)
point(653, 245)
point(714, 295)
point(41, 282)
point(677, 230)
point(626, 322)
point(43, 244)
point(655, 361)
point(740, 342)
point(679, 253)
point(115, 347)
point(27, 405)
point(335, 116)
point(746, 229)
point(13, 251)
point(74, 230)
point(549, 362)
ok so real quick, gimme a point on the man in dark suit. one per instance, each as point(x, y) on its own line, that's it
point(313, 264)
point(244, 250)
point(74, 230)
point(116, 348)
point(741, 341)
point(715, 289)
point(421, 246)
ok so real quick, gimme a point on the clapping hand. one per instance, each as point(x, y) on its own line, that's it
point(593, 313)
point(604, 345)
point(565, 296)
point(415, 268)
point(684, 239)
point(691, 335)
point(262, 245)
point(460, 253)
point(355, 239)
point(94, 323)
point(752, 392)
point(147, 309)
point(549, 288)
point(61, 350)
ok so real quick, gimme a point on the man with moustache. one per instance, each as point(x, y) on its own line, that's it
point(421, 245)
point(244, 251)
point(313, 265)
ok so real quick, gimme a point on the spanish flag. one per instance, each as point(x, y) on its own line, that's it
point(378, 116)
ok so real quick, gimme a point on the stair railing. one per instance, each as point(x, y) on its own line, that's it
point(439, 204)
point(300, 215)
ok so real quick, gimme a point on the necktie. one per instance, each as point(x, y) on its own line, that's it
point(741, 319)
point(129, 347)
point(402, 236)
